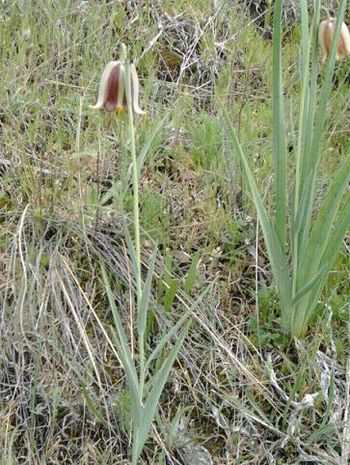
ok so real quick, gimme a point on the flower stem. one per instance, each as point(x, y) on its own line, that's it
point(135, 186)
point(135, 176)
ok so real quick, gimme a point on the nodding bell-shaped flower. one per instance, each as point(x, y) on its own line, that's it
point(325, 35)
point(112, 92)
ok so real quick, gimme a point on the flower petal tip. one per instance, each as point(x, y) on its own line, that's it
point(325, 36)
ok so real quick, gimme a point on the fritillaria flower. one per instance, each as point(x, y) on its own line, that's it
point(325, 35)
point(112, 90)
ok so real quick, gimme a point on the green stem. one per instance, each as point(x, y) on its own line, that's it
point(135, 187)
point(141, 342)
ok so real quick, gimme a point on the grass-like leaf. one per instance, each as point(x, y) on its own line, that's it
point(146, 295)
point(279, 145)
point(151, 405)
point(277, 256)
point(301, 268)
point(148, 142)
point(124, 350)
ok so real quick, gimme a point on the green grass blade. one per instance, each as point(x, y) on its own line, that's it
point(123, 346)
point(192, 274)
point(308, 100)
point(146, 295)
point(151, 405)
point(93, 407)
point(333, 246)
point(303, 134)
point(318, 133)
point(259, 416)
point(170, 294)
point(323, 226)
point(147, 144)
point(310, 111)
point(308, 287)
point(276, 254)
point(131, 248)
point(300, 216)
point(131, 381)
point(178, 325)
point(338, 234)
point(305, 310)
point(11, 447)
point(304, 46)
point(117, 321)
point(279, 145)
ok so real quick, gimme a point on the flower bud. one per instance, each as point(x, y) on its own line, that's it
point(112, 94)
point(325, 35)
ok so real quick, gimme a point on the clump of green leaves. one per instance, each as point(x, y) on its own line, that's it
point(302, 237)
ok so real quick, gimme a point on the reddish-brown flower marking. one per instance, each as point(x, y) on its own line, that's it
point(112, 95)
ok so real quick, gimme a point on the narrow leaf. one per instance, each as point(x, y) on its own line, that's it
point(170, 295)
point(336, 238)
point(131, 249)
point(276, 254)
point(131, 381)
point(192, 274)
point(161, 344)
point(123, 346)
point(308, 287)
point(306, 308)
point(146, 295)
point(145, 149)
point(151, 404)
point(323, 226)
point(319, 124)
point(279, 146)
point(93, 407)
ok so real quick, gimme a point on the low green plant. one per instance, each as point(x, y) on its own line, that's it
point(145, 383)
point(302, 237)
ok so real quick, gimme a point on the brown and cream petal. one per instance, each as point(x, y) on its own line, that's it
point(111, 90)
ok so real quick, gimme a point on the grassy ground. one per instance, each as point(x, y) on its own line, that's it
point(240, 392)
